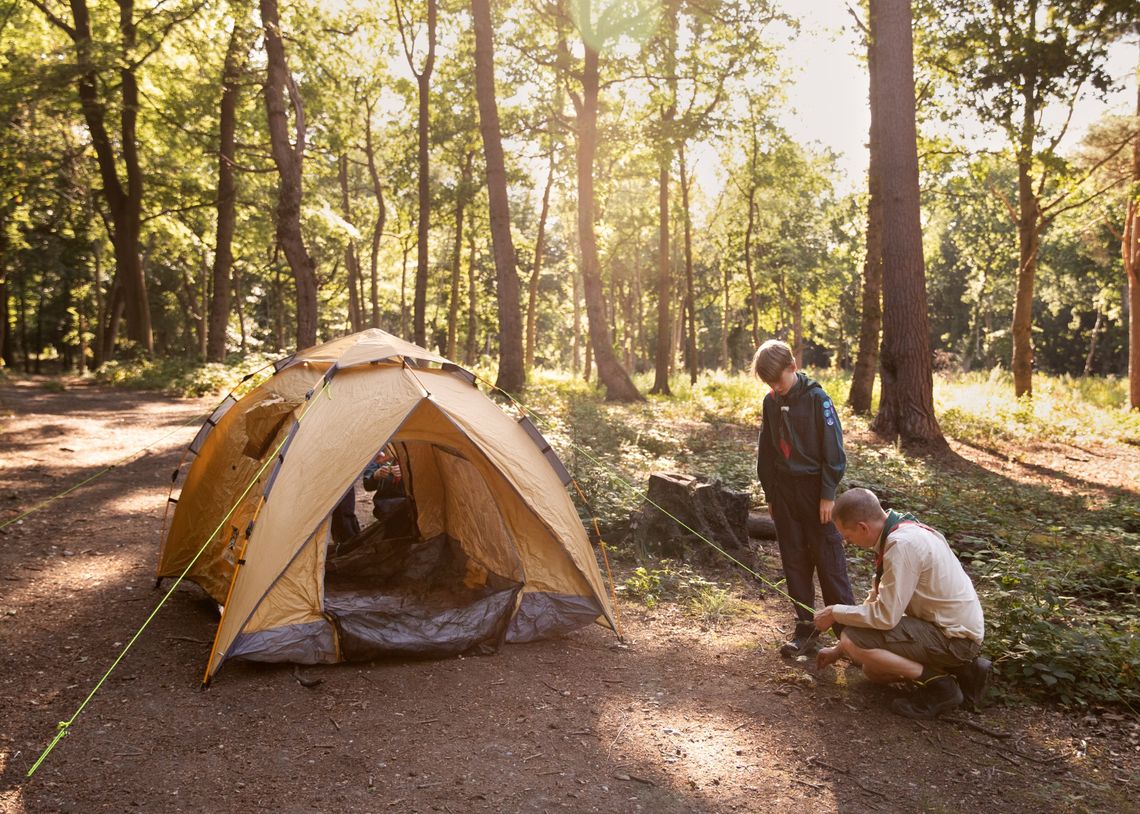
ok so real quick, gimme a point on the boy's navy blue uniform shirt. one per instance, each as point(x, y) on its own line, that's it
point(800, 435)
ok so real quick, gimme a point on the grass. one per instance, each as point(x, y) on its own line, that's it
point(1058, 572)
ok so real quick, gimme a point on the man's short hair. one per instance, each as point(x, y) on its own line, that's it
point(856, 506)
point(771, 360)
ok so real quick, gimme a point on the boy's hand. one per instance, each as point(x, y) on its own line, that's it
point(825, 506)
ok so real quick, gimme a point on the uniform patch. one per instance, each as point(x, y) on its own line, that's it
point(830, 422)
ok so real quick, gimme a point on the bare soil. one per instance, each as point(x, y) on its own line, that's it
point(678, 717)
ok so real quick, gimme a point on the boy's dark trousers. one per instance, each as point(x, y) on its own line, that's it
point(807, 547)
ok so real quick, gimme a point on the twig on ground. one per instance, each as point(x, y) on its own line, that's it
point(985, 730)
point(1049, 761)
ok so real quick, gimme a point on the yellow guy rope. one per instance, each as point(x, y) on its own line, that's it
point(63, 726)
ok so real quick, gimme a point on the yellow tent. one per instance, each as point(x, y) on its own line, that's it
point(496, 550)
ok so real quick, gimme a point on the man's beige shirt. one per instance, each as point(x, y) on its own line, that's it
point(921, 578)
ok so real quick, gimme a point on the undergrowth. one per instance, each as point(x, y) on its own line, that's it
point(1058, 573)
point(180, 377)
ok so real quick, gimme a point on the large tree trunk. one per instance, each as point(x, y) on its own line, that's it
point(871, 318)
point(906, 409)
point(351, 263)
point(227, 190)
point(618, 385)
point(124, 205)
point(378, 227)
point(539, 250)
point(289, 159)
point(512, 374)
point(1130, 249)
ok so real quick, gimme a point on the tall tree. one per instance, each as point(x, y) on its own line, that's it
point(1130, 252)
point(236, 53)
point(289, 158)
point(123, 195)
point(423, 154)
point(512, 372)
point(1010, 60)
point(906, 408)
point(871, 315)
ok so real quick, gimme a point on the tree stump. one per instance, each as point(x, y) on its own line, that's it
point(681, 507)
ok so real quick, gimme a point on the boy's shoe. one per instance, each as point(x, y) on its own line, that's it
point(802, 644)
point(973, 679)
point(932, 699)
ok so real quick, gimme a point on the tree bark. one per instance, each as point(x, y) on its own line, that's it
point(1028, 237)
point(423, 130)
point(378, 227)
point(124, 204)
point(236, 53)
point(906, 409)
point(536, 272)
point(618, 385)
point(871, 319)
point(457, 256)
point(471, 350)
point(1130, 251)
point(512, 373)
point(665, 151)
point(351, 263)
point(289, 159)
point(690, 296)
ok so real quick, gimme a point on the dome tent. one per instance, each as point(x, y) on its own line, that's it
point(498, 551)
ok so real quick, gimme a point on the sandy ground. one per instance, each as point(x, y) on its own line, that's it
point(680, 717)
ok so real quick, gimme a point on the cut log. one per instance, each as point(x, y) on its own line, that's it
point(761, 526)
point(683, 509)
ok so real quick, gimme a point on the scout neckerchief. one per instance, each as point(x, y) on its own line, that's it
point(894, 520)
point(783, 431)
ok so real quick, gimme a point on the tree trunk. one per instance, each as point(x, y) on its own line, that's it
point(753, 299)
point(690, 297)
point(289, 158)
point(1028, 235)
point(871, 319)
point(539, 250)
point(457, 257)
point(471, 350)
point(423, 129)
point(351, 264)
point(381, 217)
point(227, 190)
point(1130, 250)
point(906, 409)
point(123, 205)
point(512, 373)
point(1091, 355)
point(576, 350)
point(665, 150)
point(618, 385)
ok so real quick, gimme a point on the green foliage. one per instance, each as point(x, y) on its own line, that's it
point(678, 582)
point(1058, 573)
point(180, 377)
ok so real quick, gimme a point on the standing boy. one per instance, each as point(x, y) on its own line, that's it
point(922, 621)
point(800, 462)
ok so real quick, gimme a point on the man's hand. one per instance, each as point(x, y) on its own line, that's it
point(828, 656)
point(825, 507)
point(825, 618)
point(872, 595)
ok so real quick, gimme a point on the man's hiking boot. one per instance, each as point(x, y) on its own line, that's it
point(930, 700)
point(973, 679)
point(802, 644)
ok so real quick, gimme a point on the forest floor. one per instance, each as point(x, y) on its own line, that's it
point(682, 716)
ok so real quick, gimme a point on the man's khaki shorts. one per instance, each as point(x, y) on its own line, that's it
point(917, 640)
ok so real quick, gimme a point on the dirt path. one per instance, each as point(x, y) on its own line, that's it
point(679, 718)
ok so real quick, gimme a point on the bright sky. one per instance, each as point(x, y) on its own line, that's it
point(828, 98)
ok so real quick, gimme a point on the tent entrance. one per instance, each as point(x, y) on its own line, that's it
point(392, 592)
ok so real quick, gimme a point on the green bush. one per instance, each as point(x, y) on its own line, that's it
point(180, 377)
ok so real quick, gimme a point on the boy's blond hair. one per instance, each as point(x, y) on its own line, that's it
point(771, 360)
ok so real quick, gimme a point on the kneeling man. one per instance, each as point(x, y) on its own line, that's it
point(921, 622)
